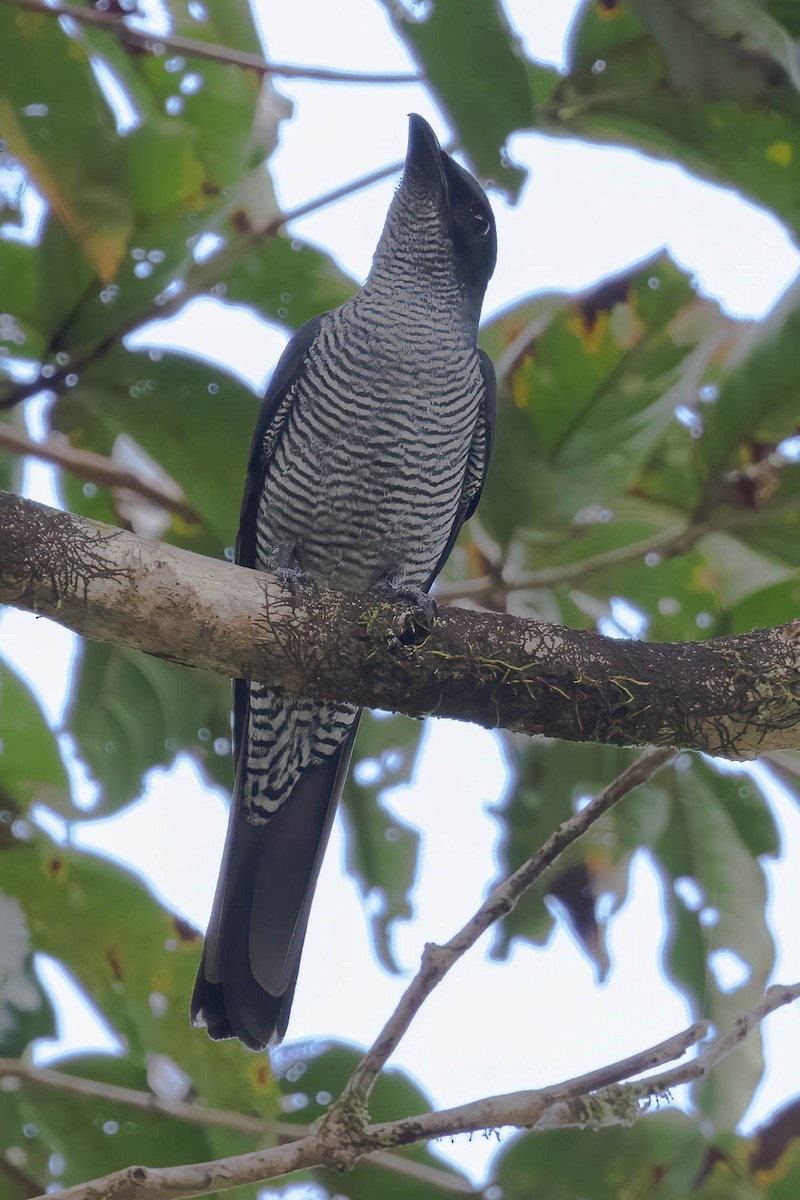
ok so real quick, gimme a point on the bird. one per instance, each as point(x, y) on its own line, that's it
point(370, 452)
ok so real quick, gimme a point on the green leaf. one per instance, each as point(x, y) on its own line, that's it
point(774, 605)
point(771, 524)
point(10, 471)
point(589, 397)
point(93, 1134)
point(664, 1156)
point(465, 47)
point(787, 12)
point(721, 46)
point(175, 171)
point(719, 826)
point(381, 853)
point(287, 281)
point(50, 118)
point(685, 94)
point(135, 960)
point(774, 1157)
point(65, 279)
point(164, 170)
point(210, 106)
point(31, 769)
point(25, 1011)
point(661, 1157)
point(702, 826)
point(183, 413)
point(130, 713)
point(19, 264)
point(758, 399)
point(738, 571)
point(550, 778)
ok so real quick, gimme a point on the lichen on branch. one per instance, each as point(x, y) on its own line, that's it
point(734, 696)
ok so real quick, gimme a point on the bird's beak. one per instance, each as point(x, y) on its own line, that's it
point(424, 157)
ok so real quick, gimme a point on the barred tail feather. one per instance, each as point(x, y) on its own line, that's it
point(251, 955)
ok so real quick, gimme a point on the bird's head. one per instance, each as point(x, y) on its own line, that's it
point(441, 225)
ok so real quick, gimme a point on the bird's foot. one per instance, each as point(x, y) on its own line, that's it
point(398, 591)
point(414, 625)
point(294, 579)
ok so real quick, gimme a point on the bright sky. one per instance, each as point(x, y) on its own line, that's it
point(585, 212)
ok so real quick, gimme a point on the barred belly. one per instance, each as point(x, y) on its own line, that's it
point(365, 472)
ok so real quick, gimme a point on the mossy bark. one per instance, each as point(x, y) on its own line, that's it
point(734, 696)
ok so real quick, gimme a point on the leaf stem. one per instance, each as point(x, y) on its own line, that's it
point(143, 42)
point(96, 468)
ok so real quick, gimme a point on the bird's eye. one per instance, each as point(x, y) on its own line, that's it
point(479, 221)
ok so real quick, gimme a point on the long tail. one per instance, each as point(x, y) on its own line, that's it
point(251, 955)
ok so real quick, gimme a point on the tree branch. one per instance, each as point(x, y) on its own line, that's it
point(215, 1118)
point(736, 696)
point(560, 1105)
point(437, 960)
point(148, 43)
point(777, 996)
point(96, 468)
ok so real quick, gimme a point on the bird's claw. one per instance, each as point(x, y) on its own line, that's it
point(294, 579)
point(399, 592)
point(413, 625)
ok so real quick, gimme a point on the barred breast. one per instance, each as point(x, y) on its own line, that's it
point(365, 471)
point(366, 475)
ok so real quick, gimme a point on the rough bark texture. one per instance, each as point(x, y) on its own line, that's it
point(734, 696)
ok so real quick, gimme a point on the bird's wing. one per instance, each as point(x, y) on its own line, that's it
point(266, 882)
point(274, 409)
point(480, 452)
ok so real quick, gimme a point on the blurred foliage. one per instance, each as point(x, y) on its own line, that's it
point(643, 480)
point(665, 1156)
point(380, 851)
point(465, 48)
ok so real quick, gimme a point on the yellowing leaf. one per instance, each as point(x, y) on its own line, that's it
point(780, 153)
point(591, 334)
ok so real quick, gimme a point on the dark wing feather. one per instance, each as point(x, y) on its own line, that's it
point(283, 378)
point(252, 948)
point(273, 410)
point(478, 461)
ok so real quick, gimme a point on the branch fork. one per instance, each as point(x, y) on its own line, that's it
point(608, 1096)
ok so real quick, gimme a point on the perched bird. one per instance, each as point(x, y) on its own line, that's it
point(370, 453)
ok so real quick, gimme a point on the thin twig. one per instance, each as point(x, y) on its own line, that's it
point(437, 960)
point(603, 1077)
point(342, 1146)
point(96, 468)
point(563, 1105)
point(777, 996)
point(191, 1114)
point(526, 1108)
point(668, 541)
point(214, 1118)
point(154, 43)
